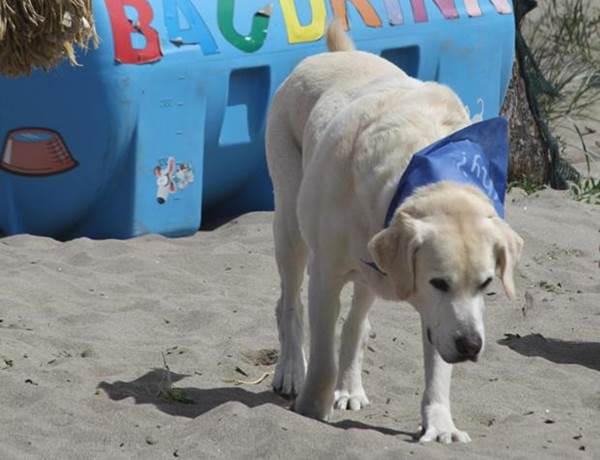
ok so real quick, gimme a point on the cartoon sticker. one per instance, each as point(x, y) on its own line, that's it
point(260, 25)
point(171, 177)
point(36, 152)
point(298, 33)
point(476, 118)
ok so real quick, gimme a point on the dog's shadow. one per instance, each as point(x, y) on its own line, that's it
point(558, 351)
point(411, 436)
point(152, 388)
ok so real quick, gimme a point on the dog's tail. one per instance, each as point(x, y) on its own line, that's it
point(337, 38)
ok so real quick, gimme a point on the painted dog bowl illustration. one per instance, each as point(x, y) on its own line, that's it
point(36, 152)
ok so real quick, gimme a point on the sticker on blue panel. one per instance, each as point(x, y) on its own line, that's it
point(36, 152)
point(478, 117)
point(171, 178)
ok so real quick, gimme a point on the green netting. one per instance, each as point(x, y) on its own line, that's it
point(561, 172)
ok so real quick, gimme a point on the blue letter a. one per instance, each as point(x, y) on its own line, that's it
point(197, 33)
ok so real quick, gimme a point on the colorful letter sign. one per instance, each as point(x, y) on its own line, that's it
point(394, 12)
point(365, 9)
point(447, 7)
point(298, 33)
point(502, 6)
point(474, 10)
point(247, 43)
point(123, 27)
point(197, 33)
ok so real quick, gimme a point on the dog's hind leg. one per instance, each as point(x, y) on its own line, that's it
point(285, 166)
point(290, 253)
point(349, 393)
point(324, 287)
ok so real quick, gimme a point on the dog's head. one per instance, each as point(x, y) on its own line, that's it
point(441, 251)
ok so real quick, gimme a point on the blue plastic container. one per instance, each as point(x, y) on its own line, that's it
point(166, 119)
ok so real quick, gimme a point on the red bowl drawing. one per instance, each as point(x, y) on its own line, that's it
point(36, 152)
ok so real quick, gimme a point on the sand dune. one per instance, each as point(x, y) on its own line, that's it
point(85, 325)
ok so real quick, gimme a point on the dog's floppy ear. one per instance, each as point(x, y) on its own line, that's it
point(393, 250)
point(507, 251)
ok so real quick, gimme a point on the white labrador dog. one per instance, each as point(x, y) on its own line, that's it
point(341, 130)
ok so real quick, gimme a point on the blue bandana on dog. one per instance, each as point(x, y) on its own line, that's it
point(476, 155)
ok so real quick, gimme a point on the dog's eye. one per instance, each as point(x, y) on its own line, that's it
point(440, 284)
point(485, 284)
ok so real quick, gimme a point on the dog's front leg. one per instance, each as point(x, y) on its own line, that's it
point(316, 398)
point(435, 406)
point(349, 391)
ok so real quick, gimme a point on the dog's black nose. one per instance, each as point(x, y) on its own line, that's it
point(468, 346)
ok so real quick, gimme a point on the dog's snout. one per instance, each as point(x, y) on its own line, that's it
point(468, 346)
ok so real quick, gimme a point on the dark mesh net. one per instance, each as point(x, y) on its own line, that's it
point(561, 172)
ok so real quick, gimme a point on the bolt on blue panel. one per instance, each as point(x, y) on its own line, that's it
point(166, 119)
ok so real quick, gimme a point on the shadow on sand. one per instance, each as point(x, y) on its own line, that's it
point(193, 402)
point(151, 388)
point(558, 351)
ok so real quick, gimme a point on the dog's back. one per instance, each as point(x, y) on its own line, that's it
point(315, 77)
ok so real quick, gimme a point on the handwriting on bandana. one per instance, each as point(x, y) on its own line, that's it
point(470, 168)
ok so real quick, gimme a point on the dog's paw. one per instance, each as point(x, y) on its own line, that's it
point(356, 400)
point(312, 409)
point(289, 376)
point(438, 426)
point(444, 437)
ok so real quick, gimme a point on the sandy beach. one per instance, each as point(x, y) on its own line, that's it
point(89, 328)
point(159, 348)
